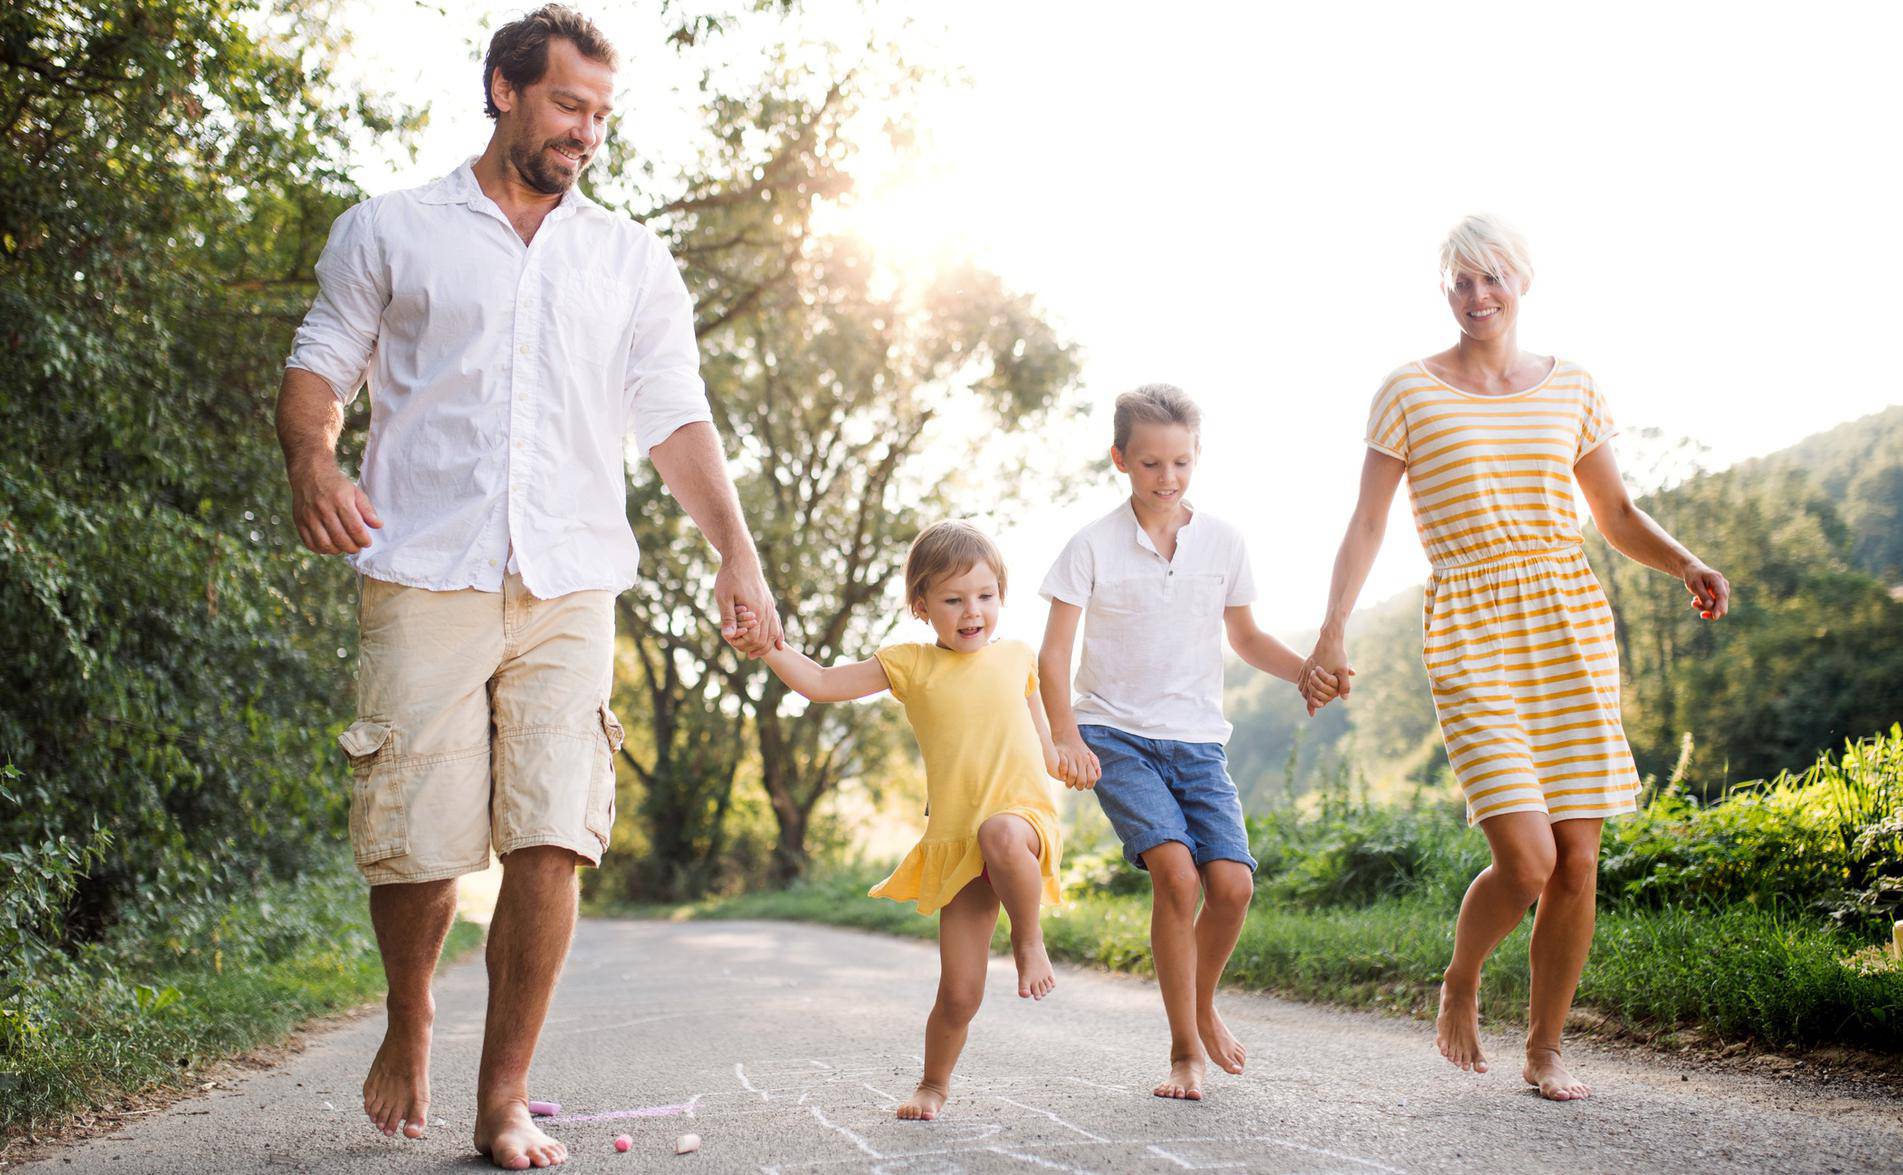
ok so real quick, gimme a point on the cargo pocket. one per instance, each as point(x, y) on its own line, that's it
point(379, 819)
point(601, 790)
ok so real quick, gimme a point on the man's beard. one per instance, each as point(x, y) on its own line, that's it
point(532, 164)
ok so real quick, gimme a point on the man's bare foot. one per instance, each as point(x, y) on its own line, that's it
point(924, 1104)
point(1185, 1080)
point(1457, 1028)
point(510, 1138)
point(1035, 977)
point(396, 1094)
point(1223, 1048)
point(1555, 1084)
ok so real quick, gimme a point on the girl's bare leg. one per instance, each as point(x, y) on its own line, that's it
point(1562, 936)
point(1010, 846)
point(964, 950)
point(1523, 859)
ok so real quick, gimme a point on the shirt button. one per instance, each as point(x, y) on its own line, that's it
point(524, 348)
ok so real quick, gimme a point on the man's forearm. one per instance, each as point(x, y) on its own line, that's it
point(691, 463)
point(309, 421)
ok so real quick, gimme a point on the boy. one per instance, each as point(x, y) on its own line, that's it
point(1162, 583)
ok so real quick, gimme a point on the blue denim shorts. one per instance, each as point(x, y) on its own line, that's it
point(1156, 790)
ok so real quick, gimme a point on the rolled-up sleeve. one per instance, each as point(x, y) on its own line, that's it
point(339, 336)
point(664, 387)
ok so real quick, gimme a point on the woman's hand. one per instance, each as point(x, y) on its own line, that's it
point(1711, 592)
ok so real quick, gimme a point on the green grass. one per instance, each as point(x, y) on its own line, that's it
point(1737, 972)
point(140, 1013)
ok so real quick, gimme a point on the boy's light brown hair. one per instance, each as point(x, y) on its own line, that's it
point(1154, 404)
point(948, 548)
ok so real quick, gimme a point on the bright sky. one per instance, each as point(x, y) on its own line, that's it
point(1246, 200)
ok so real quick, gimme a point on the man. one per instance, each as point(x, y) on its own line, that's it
point(512, 332)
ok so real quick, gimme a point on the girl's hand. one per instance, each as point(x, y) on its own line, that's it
point(1711, 592)
point(1077, 765)
point(744, 622)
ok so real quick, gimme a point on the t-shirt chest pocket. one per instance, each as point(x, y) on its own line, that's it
point(1197, 592)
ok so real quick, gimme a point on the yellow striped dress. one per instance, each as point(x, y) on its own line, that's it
point(1519, 641)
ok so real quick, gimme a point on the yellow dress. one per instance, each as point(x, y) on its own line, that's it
point(982, 757)
point(1519, 639)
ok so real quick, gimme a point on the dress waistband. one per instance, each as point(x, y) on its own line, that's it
point(1494, 557)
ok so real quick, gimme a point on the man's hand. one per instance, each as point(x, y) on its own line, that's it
point(748, 618)
point(333, 516)
point(1077, 764)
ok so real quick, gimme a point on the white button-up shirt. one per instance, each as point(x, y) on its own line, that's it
point(504, 380)
point(1153, 627)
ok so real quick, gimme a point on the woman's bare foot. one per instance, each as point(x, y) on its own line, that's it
point(1555, 1084)
point(1035, 977)
point(510, 1138)
point(924, 1104)
point(1457, 1028)
point(396, 1093)
point(1185, 1080)
point(1223, 1048)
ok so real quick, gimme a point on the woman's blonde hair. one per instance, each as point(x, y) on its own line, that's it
point(1484, 244)
point(948, 548)
point(1154, 404)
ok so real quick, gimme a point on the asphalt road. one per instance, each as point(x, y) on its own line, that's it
point(785, 1046)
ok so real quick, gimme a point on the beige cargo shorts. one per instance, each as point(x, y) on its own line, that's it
point(483, 722)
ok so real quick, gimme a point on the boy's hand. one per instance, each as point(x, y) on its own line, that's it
point(1077, 764)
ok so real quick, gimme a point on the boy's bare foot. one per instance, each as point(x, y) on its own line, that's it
point(1224, 1049)
point(396, 1094)
point(924, 1104)
point(1035, 977)
point(1555, 1083)
point(1185, 1080)
point(1457, 1028)
point(510, 1138)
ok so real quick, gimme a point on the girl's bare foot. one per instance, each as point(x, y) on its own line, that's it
point(1185, 1080)
point(1457, 1028)
point(1223, 1048)
point(510, 1138)
point(1035, 977)
point(924, 1104)
point(396, 1093)
point(1554, 1082)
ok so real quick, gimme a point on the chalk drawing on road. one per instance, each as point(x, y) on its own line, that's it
point(834, 1114)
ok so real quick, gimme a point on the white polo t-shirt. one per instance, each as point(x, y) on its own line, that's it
point(1153, 630)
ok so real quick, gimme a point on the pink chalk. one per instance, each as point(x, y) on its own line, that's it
point(623, 1142)
point(545, 1109)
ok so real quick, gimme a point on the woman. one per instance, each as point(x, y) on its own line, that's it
point(1519, 637)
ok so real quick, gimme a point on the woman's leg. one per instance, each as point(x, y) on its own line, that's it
point(1523, 860)
point(1010, 846)
point(964, 950)
point(1562, 936)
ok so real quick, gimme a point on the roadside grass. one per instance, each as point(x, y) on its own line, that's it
point(144, 1010)
point(1735, 972)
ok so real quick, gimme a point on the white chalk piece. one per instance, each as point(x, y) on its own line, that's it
point(328, 1106)
point(545, 1109)
point(687, 1144)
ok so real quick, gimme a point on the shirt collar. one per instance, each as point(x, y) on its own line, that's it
point(460, 187)
point(1143, 536)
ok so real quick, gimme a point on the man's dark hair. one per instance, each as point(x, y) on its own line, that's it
point(520, 48)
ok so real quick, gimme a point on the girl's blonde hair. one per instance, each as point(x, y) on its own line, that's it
point(1484, 244)
point(1154, 404)
point(948, 548)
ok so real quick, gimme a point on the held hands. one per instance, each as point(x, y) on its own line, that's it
point(1324, 675)
point(748, 619)
point(1711, 592)
point(1077, 765)
point(333, 516)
